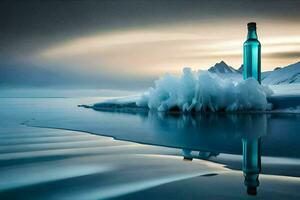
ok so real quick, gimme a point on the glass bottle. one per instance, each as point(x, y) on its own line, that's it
point(252, 54)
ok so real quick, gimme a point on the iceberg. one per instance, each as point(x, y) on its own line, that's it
point(197, 91)
point(205, 91)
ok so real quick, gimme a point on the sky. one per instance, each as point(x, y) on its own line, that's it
point(126, 44)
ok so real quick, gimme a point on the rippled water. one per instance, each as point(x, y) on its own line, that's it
point(205, 136)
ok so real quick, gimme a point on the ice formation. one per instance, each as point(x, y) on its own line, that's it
point(204, 91)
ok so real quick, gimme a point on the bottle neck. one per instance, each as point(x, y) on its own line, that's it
point(252, 33)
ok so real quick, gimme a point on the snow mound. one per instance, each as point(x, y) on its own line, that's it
point(204, 91)
point(285, 75)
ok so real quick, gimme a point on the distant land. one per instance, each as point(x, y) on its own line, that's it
point(280, 75)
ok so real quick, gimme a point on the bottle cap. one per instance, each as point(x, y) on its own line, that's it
point(251, 25)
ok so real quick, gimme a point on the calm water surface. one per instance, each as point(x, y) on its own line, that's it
point(199, 136)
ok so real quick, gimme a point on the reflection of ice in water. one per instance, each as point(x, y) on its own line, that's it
point(251, 161)
point(254, 127)
point(212, 131)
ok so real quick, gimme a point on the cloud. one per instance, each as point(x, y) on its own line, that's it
point(284, 55)
point(142, 54)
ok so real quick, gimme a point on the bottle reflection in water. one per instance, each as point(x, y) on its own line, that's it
point(252, 54)
point(251, 163)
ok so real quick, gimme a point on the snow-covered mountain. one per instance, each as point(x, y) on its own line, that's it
point(280, 75)
point(222, 68)
point(284, 75)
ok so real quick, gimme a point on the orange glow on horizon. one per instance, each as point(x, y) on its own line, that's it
point(154, 51)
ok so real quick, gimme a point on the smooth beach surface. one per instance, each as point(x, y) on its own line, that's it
point(46, 163)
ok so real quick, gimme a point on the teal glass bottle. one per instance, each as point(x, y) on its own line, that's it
point(252, 54)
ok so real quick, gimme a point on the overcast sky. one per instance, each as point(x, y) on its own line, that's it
point(125, 44)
